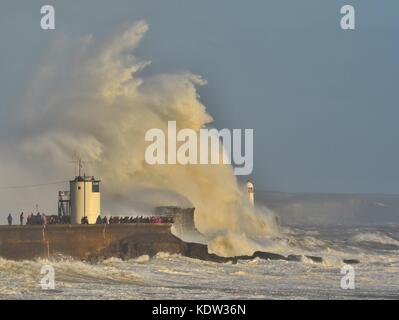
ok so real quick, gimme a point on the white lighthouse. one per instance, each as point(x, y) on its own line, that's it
point(250, 192)
point(85, 199)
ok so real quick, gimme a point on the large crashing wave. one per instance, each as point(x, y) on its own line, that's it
point(89, 98)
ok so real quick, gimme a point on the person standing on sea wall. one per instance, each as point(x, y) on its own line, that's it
point(43, 219)
point(9, 219)
point(21, 218)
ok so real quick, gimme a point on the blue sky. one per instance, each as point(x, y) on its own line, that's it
point(323, 102)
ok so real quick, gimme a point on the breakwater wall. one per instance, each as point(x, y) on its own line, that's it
point(98, 242)
point(85, 241)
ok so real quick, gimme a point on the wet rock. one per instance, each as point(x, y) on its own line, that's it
point(315, 259)
point(244, 257)
point(268, 256)
point(351, 261)
point(294, 257)
point(200, 251)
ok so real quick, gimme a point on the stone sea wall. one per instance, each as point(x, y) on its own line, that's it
point(83, 241)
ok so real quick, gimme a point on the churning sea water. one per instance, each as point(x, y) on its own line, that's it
point(175, 277)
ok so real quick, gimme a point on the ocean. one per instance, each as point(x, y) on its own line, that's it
point(168, 276)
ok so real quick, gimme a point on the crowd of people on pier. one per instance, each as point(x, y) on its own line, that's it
point(39, 219)
point(138, 219)
point(43, 219)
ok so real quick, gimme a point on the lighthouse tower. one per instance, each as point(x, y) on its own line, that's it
point(85, 199)
point(250, 192)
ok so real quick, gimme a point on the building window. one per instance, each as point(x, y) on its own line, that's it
point(96, 186)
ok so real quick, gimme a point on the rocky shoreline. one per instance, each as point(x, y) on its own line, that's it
point(127, 249)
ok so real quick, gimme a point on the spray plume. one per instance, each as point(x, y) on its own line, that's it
point(90, 99)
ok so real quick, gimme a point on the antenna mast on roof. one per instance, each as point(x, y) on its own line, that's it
point(79, 162)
